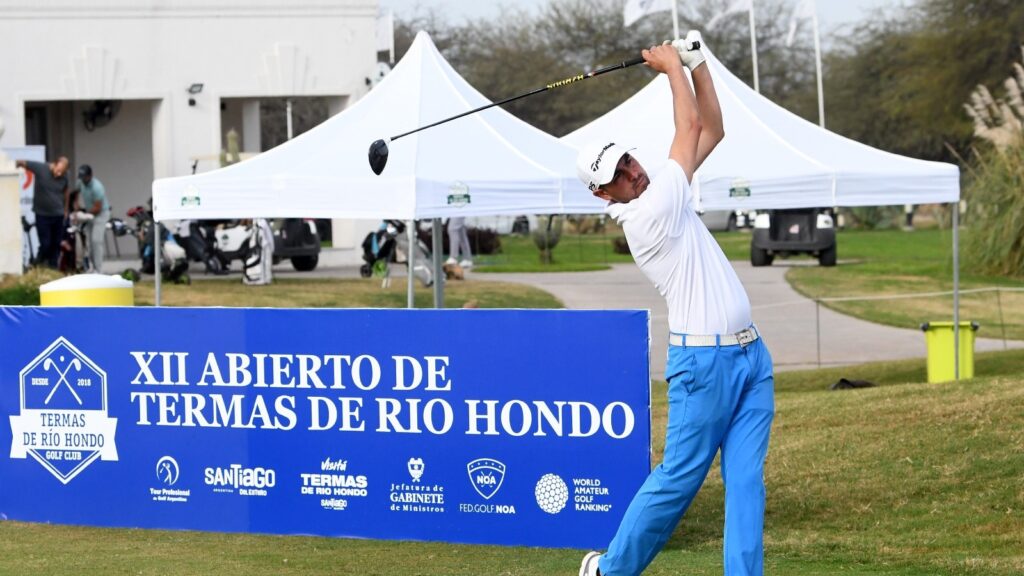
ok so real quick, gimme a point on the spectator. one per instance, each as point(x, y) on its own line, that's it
point(93, 198)
point(50, 204)
point(458, 242)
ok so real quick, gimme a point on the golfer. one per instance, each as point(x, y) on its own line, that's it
point(719, 372)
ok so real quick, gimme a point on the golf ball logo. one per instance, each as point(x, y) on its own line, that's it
point(552, 493)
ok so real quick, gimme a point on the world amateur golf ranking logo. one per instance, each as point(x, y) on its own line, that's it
point(63, 422)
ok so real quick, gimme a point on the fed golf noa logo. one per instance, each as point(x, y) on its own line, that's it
point(63, 422)
point(486, 476)
point(552, 493)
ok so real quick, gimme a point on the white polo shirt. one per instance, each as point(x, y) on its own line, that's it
point(675, 250)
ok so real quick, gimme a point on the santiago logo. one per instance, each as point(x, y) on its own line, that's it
point(167, 470)
point(486, 476)
point(63, 422)
point(552, 493)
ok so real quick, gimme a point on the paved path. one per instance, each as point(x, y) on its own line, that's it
point(784, 317)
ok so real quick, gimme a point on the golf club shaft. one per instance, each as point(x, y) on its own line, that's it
point(570, 80)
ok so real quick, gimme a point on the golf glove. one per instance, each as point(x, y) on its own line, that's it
point(691, 57)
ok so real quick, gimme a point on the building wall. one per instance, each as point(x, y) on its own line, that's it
point(148, 52)
point(120, 154)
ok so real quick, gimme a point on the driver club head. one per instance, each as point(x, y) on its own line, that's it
point(378, 156)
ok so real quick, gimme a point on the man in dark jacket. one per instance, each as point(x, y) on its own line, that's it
point(49, 204)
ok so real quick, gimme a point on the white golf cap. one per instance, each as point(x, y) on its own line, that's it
point(596, 162)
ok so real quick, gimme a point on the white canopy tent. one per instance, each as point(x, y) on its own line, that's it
point(779, 159)
point(784, 160)
point(487, 163)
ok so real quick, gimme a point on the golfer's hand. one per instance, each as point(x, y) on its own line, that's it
point(691, 57)
point(662, 58)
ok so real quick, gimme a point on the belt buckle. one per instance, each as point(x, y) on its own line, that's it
point(745, 337)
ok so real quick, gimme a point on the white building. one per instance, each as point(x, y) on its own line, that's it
point(143, 89)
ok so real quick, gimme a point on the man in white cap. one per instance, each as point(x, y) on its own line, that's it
point(719, 372)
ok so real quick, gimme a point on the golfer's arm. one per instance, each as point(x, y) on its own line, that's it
point(687, 121)
point(710, 112)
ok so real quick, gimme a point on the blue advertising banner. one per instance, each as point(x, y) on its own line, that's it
point(513, 427)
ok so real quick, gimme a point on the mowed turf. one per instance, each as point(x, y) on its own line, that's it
point(343, 293)
point(901, 479)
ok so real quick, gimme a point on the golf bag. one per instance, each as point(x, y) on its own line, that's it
point(257, 266)
point(198, 240)
point(28, 252)
point(74, 248)
point(389, 243)
point(173, 260)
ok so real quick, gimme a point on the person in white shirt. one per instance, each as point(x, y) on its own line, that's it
point(719, 372)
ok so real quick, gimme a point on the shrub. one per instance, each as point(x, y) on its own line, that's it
point(546, 237)
point(24, 290)
point(620, 245)
point(481, 240)
point(996, 212)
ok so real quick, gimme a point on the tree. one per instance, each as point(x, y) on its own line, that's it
point(898, 83)
point(520, 51)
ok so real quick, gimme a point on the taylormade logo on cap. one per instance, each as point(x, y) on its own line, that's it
point(597, 161)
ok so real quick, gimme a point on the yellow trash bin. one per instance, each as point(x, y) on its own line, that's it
point(938, 337)
point(87, 290)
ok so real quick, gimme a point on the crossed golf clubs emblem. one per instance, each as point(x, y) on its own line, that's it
point(74, 363)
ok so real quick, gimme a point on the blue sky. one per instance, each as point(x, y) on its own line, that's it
point(831, 13)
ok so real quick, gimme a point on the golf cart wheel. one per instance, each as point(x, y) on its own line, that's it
point(732, 226)
point(305, 263)
point(760, 257)
point(827, 257)
point(131, 275)
point(365, 271)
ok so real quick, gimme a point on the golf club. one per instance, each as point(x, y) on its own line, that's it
point(379, 149)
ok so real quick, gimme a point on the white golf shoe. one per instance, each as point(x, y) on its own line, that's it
point(589, 565)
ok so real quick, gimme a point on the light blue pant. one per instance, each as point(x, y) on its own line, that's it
point(719, 398)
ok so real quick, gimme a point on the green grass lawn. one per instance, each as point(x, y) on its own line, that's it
point(581, 252)
point(304, 293)
point(902, 479)
point(887, 262)
point(344, 293)
point(573, 253)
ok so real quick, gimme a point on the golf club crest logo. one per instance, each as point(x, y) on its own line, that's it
point(190, 197)
point(459, 194)
point(486, 476)
point(63, 422)
point(739, 188)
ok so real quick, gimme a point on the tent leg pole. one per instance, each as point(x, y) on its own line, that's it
point(817, 327)
point(956, 290)
point(1002, 324)
point(410, 262)
point(156, 262)
point(438, 248)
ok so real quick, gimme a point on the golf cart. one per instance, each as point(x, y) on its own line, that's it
point(296, 239)
point(798, 231)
